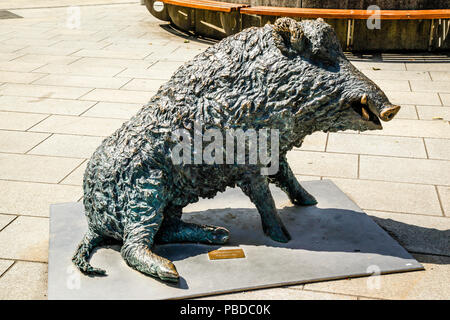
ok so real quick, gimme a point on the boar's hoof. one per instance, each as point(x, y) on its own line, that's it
point(305, 200)
point(278, 233)
point(300, 197)
point(218, 235)
point(167, 272)
point(180, 231)
point(141, 258)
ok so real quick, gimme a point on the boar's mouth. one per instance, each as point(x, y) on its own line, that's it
point(364, 112)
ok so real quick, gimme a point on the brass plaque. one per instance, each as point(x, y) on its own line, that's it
point(226, 254)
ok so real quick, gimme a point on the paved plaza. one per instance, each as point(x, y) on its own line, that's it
point(65, 84)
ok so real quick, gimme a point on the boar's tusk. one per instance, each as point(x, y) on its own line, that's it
point(365, 114)
point(364, 99)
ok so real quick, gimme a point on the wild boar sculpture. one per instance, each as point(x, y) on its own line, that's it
point(290, 76)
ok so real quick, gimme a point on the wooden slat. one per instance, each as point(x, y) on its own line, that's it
point(206, 5)
point(347, 13)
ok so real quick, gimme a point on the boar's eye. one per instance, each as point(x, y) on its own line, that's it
point(325, 55)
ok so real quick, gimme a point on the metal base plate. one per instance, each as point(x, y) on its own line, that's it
point(332, 240)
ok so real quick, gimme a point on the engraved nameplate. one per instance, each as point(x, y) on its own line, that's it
point(226, 254)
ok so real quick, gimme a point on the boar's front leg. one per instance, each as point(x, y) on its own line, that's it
point(286, 181)
point(144, 216)
point(257, 189)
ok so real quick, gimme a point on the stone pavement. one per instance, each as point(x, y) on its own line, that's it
point(62, 90)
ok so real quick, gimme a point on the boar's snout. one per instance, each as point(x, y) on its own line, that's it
point(377, 108)
point(370, 109)
point(388, 112)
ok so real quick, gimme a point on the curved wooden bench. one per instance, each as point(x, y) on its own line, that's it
point(228, 18)
point(207, 5)
point(347, 13)
point(354, 14)
point(214, 19)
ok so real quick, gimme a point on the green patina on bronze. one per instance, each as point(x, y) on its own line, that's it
point(291, 76)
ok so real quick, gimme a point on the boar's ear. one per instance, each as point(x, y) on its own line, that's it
point(288, 34)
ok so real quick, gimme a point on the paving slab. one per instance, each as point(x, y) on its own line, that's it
point(397, 75)
point(107, 62)
point(40, 91)
point(24, 281)
point(8, 56)
point(70, 146)
point(19, 121)
point(440, 75)
point(144, 85)
point(376, 145)
point(44, 105)
point(4, 265)
point(77, 45)
point(438, 148)
point(444, 194)
point(33, 199)
point(407, 111)
point(433, 113)
point(164, 69)
point(76, 177)
point(392, 196)
point(424, 171)
point(445, 97)
point(122, 96)
point(5, 219)
point(315, 142)
point(371, 65)
point(47, 50)
point(323, 164)
point(107, 53)
point(134, 72)
point(9, 48)
point(26, 238)
point(431, 284)
point(82, 81)
point(332, 240)
point(19, 141)
point(46, 58)
point(430, 86)
point(393, 85)
point(428, 66)
point(414, 128)
point(280, 294)
point(32, 168)
point(400, 97)
point(19, 77)
point(19, 66)
point(113, 110)
point(78, 125)
point(86, 70)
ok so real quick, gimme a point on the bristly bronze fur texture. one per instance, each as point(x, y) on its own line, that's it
point(291, 76)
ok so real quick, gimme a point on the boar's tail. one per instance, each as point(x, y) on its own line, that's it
point(84, 250)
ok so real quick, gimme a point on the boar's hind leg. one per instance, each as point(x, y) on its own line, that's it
point(144, 218)
point(173, 229)
point(287, 182)
point(259, 193)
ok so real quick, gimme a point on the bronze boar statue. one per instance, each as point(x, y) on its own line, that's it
point(289, 76)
